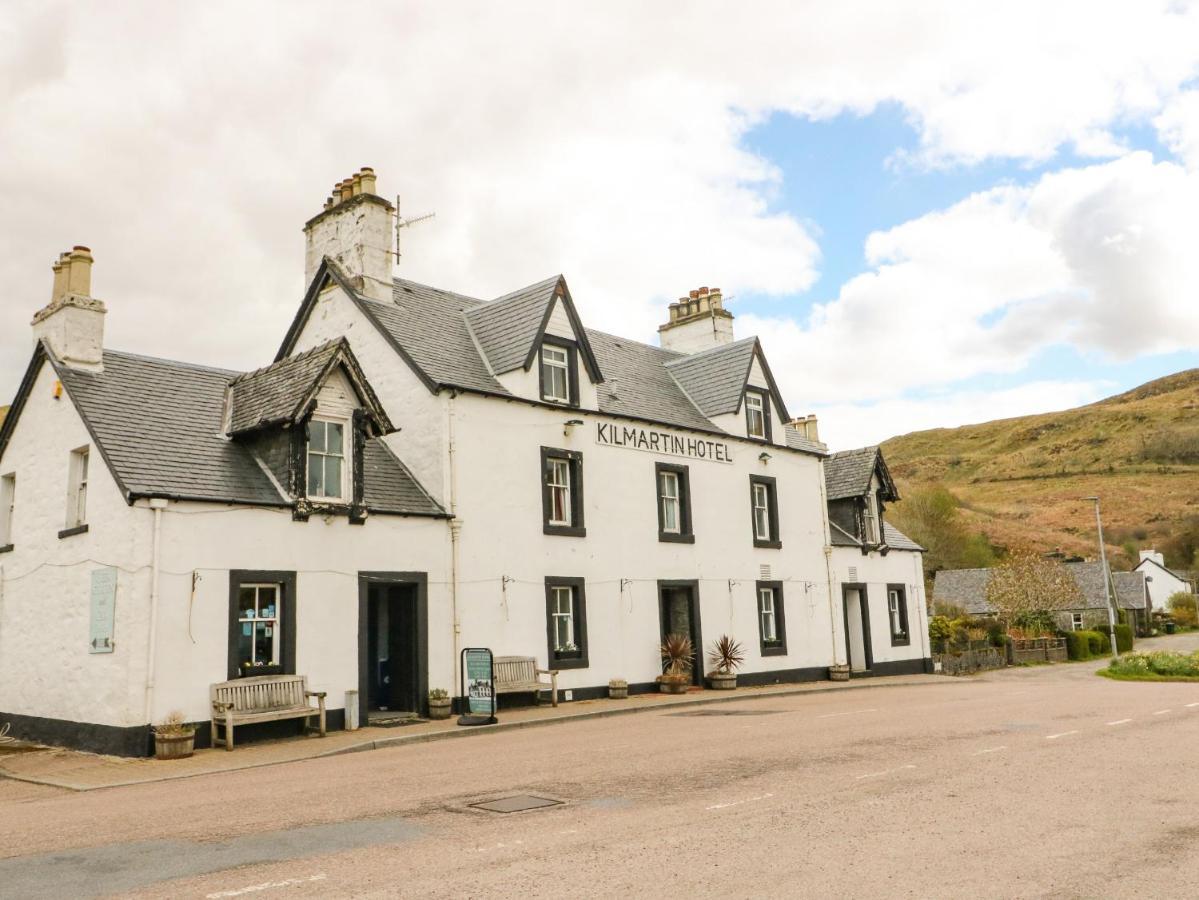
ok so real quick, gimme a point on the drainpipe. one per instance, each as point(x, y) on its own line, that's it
point(157, 504)
point(455, 529)
point(922, 606)
point(828, 562)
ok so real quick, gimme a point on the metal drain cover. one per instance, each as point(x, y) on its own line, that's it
point(728, 712)
point(516, 804)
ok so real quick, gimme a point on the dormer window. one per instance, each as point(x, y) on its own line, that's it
point(870, 520)
point(757, 415)
point(326, 460)
point(559, 376)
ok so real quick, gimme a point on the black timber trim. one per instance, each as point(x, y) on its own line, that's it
point(697, 632)
point(771, 485)
point(72, 531)
point(112, 740)
point(578, 527)
point(775, 393)
point(419, 580)
point(915, 666)
point(556, 660)
point(287, 611)
point(767, 414)
point(686, 534)
point(864, 595)
point(777, 647)
point(572, 370)
point(7, 548)
point(562, 292)
point(905, 639)
point(25, 388)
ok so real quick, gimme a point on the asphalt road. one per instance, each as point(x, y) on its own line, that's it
point(1038, 782)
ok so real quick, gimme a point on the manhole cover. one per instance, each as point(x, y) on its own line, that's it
point(516, 804)
point(728, 712)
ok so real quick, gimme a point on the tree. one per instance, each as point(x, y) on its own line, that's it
point(1027, 588)
point(1182, 608)
point(930, 516)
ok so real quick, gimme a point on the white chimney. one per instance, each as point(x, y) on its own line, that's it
point(72, 323)
point(1154, 555)
point(697, 322)
point(356, 230)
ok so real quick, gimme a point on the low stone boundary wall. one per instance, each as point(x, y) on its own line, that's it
point(1038, 650)
point(970, 661)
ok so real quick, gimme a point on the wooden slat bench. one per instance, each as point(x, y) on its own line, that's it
point(262, 698)
point(520, 675)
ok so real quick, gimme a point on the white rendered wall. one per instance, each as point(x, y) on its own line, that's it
point(876, 571)
point(1162, 586)
point(46, 668)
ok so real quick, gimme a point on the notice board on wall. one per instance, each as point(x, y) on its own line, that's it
point(104, 610)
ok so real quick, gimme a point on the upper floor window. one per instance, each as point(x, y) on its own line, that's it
point(77, 489)
point(562, 491)
point(326, 460)
point(897, 613)
point(764, 508)
point(674, 503)
point(757, 414)
point(870, 519)
point(559, 372)
point(8, 495)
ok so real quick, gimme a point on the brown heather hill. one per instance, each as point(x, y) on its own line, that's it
point(1019, 480)
point(3, 413)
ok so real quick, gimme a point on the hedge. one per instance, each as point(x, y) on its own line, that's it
point(1095, 642)
point(1077, 645)
point(1124, 635)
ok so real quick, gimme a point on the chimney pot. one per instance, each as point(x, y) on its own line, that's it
point(368, 180)
point(703, 291)
point(693, 294)
point(356, 184)
point(79, 272)
point(347, 189)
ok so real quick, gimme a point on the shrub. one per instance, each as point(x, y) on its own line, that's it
point(939, 629)
point(1095, 642)
point(1123, 638)
point(1161, 664)
point(1077, 646)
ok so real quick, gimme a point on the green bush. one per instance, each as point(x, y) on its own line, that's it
point(1123, 638)
point(939, 630)
point(1077, 645)
point(1156, 665)
point(1095, 642)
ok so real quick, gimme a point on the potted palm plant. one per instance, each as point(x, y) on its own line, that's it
point(726, 656)
point(439, 703)
point(677, 655)
point(174, 738)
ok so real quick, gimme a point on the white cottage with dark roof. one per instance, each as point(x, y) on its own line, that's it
point(416, 473)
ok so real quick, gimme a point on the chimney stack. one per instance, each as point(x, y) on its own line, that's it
point(806, 426)
point(72, 323)
point(698, 322)
point(355, 229)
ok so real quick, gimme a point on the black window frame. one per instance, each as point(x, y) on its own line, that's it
point(905, 639)
point(766, 416)
point(572, 370)
point(685, 534)
point(556, 660)
point(577, 528)
point(287, 610)
point(776, 647)
point(771, 484)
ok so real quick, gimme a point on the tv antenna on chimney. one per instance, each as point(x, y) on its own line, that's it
point(401, 222)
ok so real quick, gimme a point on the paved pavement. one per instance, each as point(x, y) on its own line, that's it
point(1034, 782)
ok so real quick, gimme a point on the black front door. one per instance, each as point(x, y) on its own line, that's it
point(393, 665)
point(679, 614)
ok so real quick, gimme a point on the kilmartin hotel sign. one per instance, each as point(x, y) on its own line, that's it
point(635, 437)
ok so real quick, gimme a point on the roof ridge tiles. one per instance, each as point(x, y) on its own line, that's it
point(304, 355)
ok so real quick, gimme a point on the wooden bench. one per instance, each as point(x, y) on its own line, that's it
point(520, 675)
point(262, 698)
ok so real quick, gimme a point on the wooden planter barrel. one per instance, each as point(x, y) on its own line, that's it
point(174, 746)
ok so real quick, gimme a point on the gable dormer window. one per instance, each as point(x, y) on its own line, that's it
point(870, 520)
point(559, 372)
point(757, 414)
point(326, 460)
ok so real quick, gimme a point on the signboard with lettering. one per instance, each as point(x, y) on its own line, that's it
point(103, 619)
point(652, 440)
point(478, 681)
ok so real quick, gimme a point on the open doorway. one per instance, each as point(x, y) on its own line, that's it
point(857, 627)
point(679, 614)
point(393, 668)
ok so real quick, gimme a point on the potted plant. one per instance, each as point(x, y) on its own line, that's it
point(439, 704)
point(727, 658)
point(174, 738)
point(249, 669)
point(677, 653)
point(618, 689)
point(838, 672)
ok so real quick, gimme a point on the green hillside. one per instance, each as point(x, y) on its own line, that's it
point(1020, 481)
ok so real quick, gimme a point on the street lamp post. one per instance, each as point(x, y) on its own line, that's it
point(1111, 615)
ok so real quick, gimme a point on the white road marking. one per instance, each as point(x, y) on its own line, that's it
point(1161, 712)
point(266, 886)
point(1051, 737)
point(991, 750)
point(497, 846)
point(1192, 704)
point(852, 712)
point(884, 772)
point(739, 802)
point(1119, 721)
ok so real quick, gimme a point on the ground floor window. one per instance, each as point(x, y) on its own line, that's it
point(1076, 621)
point(262, 626)
point(772, 627)
point(897, 614)
point(566, 623)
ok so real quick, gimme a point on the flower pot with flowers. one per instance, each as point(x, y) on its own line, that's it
point(677, 655)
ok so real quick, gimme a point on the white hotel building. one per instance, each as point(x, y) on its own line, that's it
point(416, 473)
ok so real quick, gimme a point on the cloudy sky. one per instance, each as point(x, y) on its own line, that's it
point(932, 213)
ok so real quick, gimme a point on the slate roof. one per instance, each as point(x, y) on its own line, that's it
point(507, 326)
point(173, 447)
point(892, 537)
point(848, 473)
point(839, 537)
point(967, 588)
point(389, 486)
point(797, 441)
point(715, 379)
point(278, 393)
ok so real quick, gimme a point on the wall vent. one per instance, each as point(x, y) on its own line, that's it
point(853, 573)
point(763, 573)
